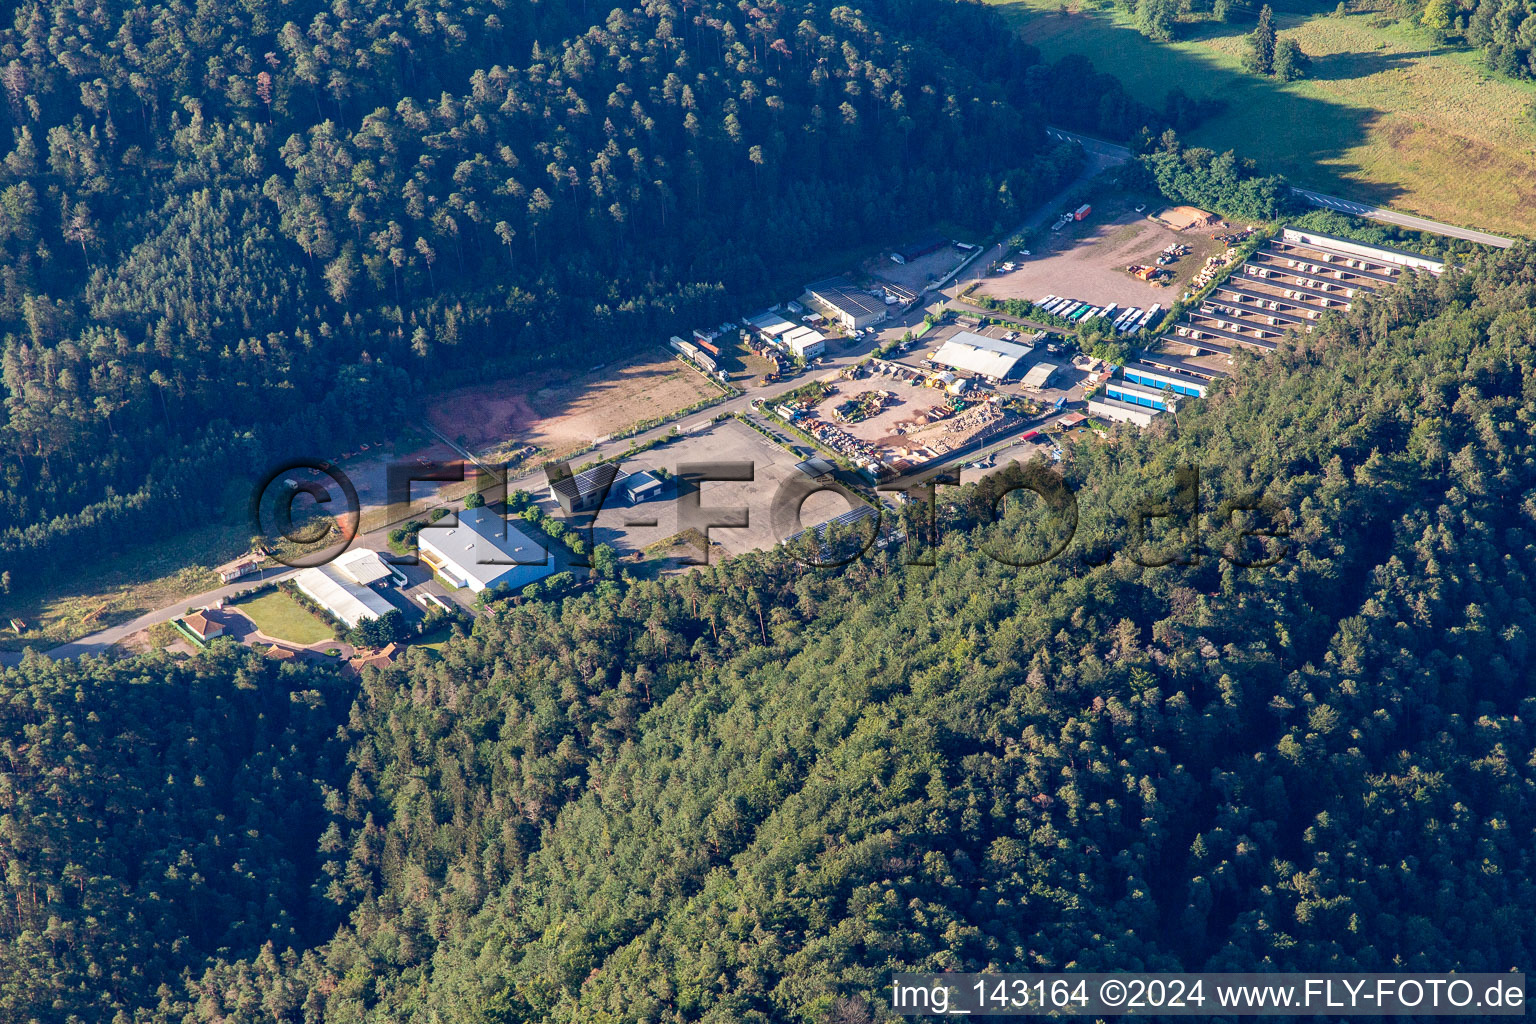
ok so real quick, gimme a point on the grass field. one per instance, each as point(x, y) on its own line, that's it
point(280, 617)
point(60, 607)
point(1380, 118)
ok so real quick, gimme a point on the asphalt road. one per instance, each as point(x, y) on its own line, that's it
point(1320, 199)
point(103, 641)
point(1405, 220)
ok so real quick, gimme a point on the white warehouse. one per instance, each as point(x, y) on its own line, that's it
point(979, 354)
point(483, 551)
point(341, 587)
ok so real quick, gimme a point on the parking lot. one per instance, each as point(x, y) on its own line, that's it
point(1088, 260)
point(632, 528)
point(915, 275)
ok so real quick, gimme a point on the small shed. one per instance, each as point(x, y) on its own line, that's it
point(815, 467)
point(1039, 375)
point(640, 486)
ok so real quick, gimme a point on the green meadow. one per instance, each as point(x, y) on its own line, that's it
point(1381, 117)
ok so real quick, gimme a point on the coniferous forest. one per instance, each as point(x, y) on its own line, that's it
point(749, 793)
point(241, 229)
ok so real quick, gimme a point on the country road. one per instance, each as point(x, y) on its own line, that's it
point(1405, 220)
point(1320, 199)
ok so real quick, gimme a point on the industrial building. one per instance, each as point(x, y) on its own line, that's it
point(852, 308)
point(340, 594)
point(637, 487)
point(1039, 375)
point(362, 566)
point(1121, 412)
point(917, 250)
point(1380, 257)
point(852, 517)
point(770, 324)
point(1141, 395)
point(975, 353)
point(585, 491)
point(482, 551)
point(1179, 383)
point(804, 342)
point(815, 467)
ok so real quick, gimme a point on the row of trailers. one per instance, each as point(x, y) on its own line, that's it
point(1287, 284)
point(1124, 322)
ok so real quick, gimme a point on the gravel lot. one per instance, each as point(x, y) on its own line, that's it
point(1087, 261)
point(729, 440)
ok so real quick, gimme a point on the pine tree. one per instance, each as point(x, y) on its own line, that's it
point(1260, 57)
point(1290, 61)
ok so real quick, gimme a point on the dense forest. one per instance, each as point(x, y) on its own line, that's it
point(748, 793)
point(1504, 30)
point(242, 229)
point(1216, 181)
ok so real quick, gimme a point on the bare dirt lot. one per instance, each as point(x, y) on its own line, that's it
point(1087, 260)
point(368, 472)
point(560, 414)
point(730, 440)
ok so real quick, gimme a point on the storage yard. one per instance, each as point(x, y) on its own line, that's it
point(923, 262)
point(1287, 284)
point(621, 524)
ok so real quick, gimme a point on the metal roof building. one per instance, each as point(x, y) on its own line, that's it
point(484, 551)
point(804, 342)
point(920, 248)
point(854, 515)
point(639, 486)
point(361, 565)
point(1039, 375)
point(854, 308)
point(582, 491)
point(1121, 412)
point(976, 353)
point(771, 324)
point(815, 467)
point(343, 597)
